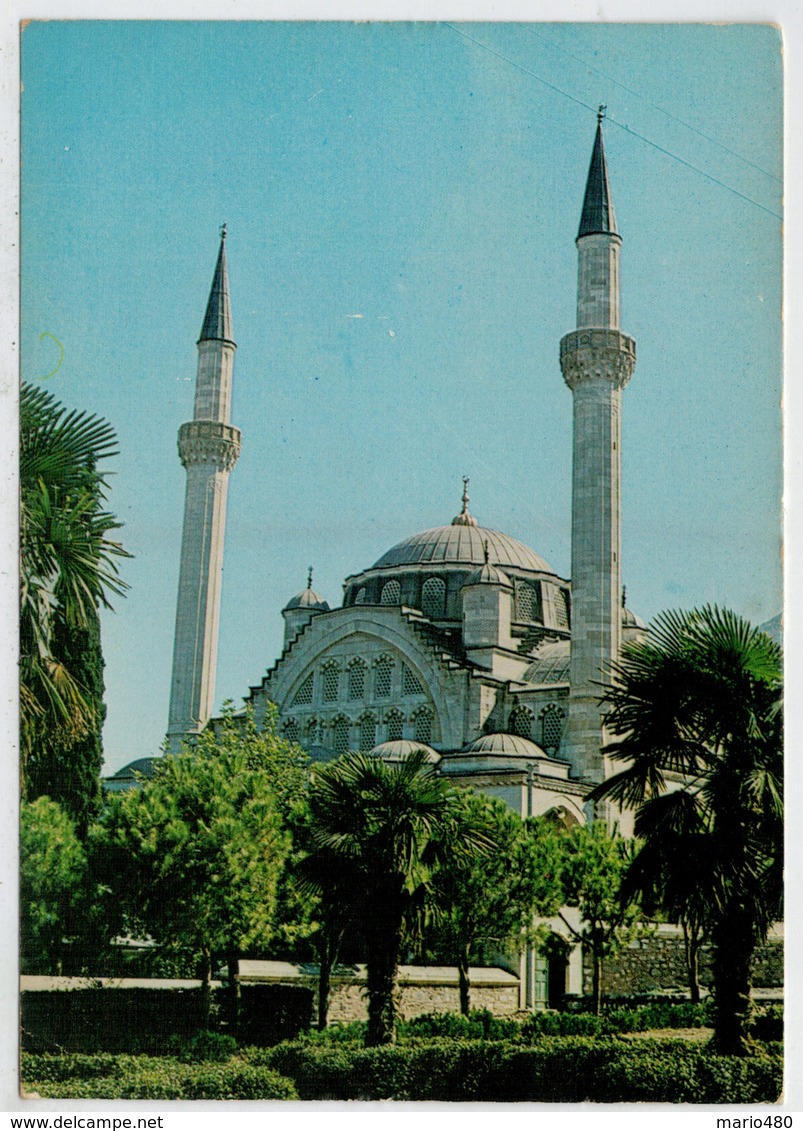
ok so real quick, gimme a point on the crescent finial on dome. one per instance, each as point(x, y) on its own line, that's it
point(464, 518)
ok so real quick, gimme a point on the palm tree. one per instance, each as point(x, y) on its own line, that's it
point(68, 564)
point(387, 824)
point(696, 711)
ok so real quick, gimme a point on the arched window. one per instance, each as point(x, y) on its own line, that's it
point(433, 597)
point(291, 730)
point(411, 684)
point(356, 679)
point(331, 681)
point(552, 718)
point(304, 694)
point(311, 733)
point(383, 675)
point(521, 722)
point(362, 594)
point(422, 725)
point(367, 732)
point(391, 593)
point(340, 735)
point(395, 725)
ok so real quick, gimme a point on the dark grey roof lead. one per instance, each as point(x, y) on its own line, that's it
point(598, 214)
point(217, 320)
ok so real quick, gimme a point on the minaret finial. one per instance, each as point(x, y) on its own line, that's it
point(601, 113)
point(624, 595)
point(487, 552)
point(465, 495)
point(223, 230)
point(309, 578)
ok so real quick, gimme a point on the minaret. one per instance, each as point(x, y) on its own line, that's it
point(597, 361)
point(208, 446)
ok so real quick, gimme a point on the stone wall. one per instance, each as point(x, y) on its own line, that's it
point(349, 1002)
point(659, 963)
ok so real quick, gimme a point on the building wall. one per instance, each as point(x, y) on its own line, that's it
point(349, 1003)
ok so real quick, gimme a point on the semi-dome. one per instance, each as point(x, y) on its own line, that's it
point(465, 545)
point(399, 749)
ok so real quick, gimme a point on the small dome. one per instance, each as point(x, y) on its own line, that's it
point(505, 745)
point(142, 766)
point(630, 620)
point(489, 575)
point(401, 748)
point(307, 599)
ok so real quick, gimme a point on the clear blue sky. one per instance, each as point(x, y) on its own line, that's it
point(402, 202)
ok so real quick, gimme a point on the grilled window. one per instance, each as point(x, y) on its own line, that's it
point(391, 593)
point(331, 683)
point(395, 724)
point(356, 679)
point(411, 685)
point(304, 694)
point(433, 597)
point(423, 725)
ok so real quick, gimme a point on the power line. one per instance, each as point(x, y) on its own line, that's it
point(627, 129)
point(655, 106)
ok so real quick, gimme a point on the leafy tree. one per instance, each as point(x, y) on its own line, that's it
point(388, 825)
point(490, 897)
point(203, 843)
point(68, 569)
point(695, 710)
point(53, 870)
point(592, 863)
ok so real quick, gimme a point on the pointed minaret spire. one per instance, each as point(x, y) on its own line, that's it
point(309, 578)
point(208, 446)
point(217, 320)
point(598, 214)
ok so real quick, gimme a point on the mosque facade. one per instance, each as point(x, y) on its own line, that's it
point(460, 640)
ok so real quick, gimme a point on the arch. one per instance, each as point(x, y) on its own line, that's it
point(552, 719)
point(561, 608)
point(562, 816)
point(362, 596)
point(521, 722)
point(367, 723)
point(331, 681)
point(433, 597)
point(356, 671)
point(312, 732)
point(394, 725)
point(391, 593)
point(528, 602)
point(291, 730)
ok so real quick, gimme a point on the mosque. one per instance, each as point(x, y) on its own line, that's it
point(460, 639)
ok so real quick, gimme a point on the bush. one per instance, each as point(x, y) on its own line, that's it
point(152, 1078)
point(767, 1025)
point(557, 1070)
point(214, 1048)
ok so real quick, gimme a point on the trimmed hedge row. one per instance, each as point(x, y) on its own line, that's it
point(105, 1077)
point(558, 1070)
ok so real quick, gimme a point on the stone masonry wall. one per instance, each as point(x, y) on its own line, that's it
point(659, 963)
point(349, 1003)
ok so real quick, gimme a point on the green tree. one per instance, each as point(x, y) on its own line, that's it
point(389, 826)
point(53, 873)
point(68, 570)
point(695, 710)
point(592, 863)
point(202, 844)
point(490, 897)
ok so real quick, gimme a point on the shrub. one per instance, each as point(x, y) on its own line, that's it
point(767, 1025)
point(161, 1078)
point(204, 1046)
point(557, 1070)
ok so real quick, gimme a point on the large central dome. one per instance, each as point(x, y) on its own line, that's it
point(464, 544)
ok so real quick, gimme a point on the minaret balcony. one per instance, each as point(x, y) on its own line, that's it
point(209, 441)
point(597, 355)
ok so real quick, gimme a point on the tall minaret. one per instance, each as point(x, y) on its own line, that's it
point(208, 446)
point(597, 361)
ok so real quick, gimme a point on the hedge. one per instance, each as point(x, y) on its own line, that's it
point(104, 1077)
point(557, 1070)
